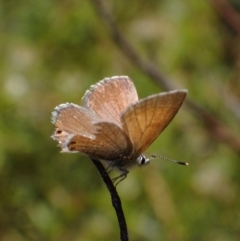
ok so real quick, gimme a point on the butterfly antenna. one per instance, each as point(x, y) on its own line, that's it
point(172, 160)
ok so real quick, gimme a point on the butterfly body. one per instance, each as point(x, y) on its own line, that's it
point(113, 125)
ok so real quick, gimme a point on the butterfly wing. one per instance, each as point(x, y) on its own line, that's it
point(110, 97)
point(72, 119)
point(78, 130)
point(110, 143)
point(144, 121)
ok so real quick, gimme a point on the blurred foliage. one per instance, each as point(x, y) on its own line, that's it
point(51, 52)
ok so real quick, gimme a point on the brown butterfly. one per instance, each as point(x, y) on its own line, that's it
point(113, 125)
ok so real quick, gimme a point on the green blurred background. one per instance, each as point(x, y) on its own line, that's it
point(51, 52)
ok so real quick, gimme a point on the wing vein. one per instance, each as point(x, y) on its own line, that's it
point(150, 122)
point(139, 126)
point(112, 141)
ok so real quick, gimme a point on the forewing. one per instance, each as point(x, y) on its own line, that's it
point(71, 119)
point(110, 143)
point(144, 121)
point(110, 97)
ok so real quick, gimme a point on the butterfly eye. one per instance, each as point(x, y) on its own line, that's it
point(142, 160)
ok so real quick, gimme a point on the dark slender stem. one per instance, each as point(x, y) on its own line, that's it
point(116, 201)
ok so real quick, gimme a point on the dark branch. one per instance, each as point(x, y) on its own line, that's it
point(228, 13)
point(116, 202)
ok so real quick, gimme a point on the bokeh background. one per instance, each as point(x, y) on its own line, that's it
point(51, 52)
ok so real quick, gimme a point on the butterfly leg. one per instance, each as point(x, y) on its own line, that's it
point(120, 177)
point(109, 168)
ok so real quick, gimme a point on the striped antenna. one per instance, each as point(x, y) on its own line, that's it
point(169, 159)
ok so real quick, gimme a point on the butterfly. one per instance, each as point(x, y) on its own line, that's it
point(113, 124)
